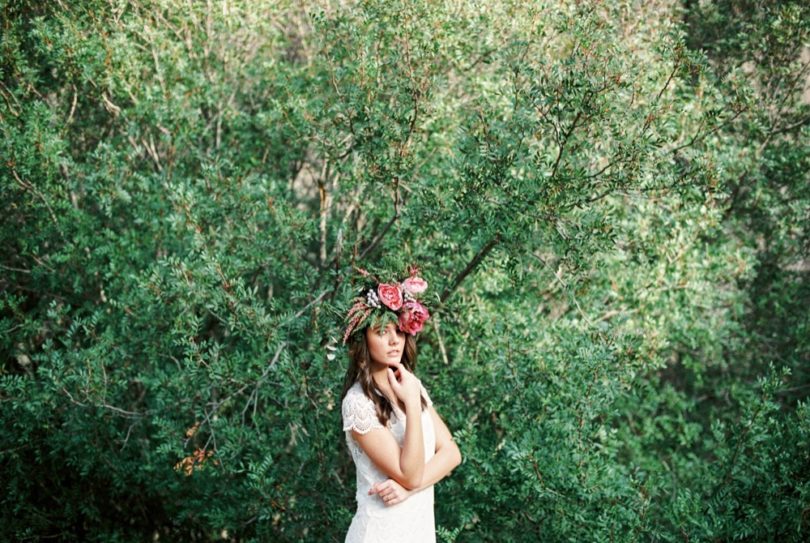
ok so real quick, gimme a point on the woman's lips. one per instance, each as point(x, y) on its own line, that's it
point(393, 353)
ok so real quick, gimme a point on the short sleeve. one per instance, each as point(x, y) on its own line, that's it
point(425, 395)
point(358, 412)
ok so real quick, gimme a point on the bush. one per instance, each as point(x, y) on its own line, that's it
point(609, 205)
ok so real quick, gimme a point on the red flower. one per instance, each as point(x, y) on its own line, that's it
point(414, 284)
point(413, 317)
point(390, 295)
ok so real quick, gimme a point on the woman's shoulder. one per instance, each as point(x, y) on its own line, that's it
point(354, 390)
point(358, 410)
point(356, 398)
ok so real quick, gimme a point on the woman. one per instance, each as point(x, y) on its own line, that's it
point(399, 444)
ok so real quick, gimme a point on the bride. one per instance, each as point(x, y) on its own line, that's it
point(399, 444)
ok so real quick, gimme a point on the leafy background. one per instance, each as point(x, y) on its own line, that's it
point(609, 201)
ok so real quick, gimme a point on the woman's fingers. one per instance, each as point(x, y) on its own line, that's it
point(376, 488)
point(404, 383)
point(392, 380)
point(397, 379)
point(389, 492)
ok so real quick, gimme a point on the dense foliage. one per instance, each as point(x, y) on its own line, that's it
point(609, 200)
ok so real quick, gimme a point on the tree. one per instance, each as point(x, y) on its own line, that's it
point(608, 204)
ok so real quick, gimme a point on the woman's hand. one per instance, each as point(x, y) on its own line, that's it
point(404, 384)
point(390, 492)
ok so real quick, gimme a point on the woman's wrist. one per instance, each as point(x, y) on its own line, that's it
point(414, 404)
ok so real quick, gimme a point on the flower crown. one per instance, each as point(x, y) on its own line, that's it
point(399, 298)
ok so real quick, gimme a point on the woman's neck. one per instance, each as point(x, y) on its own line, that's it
point(379, 372)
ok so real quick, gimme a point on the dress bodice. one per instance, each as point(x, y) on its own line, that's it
point(411, 520)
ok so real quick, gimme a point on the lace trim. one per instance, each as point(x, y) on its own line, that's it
point(358, 412)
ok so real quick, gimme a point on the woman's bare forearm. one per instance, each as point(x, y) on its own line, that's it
point(412, 459)
point(438, 467)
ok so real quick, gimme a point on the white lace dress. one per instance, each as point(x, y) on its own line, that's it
point(410, 521)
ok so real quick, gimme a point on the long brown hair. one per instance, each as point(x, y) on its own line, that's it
point(360, 370)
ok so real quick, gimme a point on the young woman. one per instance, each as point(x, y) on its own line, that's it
point(399, 444)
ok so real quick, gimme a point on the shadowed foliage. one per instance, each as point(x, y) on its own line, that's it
point(608, 200)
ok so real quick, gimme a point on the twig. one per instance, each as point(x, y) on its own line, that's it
point(698, 137)
point(313, 302)
point(8, 96)
point(648, 120)
point(385, 229)
point(9, 268)
point(254, 396)
point(471, 265)
point(72, 106)
point(123, 412)
point(566, 136)
point(150, 148)
point(324, 211)
point(126, 439)
point(441, 342)
point(30, 187)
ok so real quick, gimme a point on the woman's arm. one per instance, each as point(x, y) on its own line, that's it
point(405, 465)
point(446, 458)
point(447, 455)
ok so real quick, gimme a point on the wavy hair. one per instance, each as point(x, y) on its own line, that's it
point(359, 370)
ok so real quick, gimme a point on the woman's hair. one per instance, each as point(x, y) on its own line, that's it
point(360, 370)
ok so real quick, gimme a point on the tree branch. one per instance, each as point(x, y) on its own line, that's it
point(470, 267)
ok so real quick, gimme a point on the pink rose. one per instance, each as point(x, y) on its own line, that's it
point(390, 295)
point(414, 285)
point(412, 317)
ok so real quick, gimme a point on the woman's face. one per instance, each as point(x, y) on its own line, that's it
point(385, 346)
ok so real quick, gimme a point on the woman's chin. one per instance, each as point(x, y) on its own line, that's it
point(392, 362)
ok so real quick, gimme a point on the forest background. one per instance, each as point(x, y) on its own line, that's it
point(609, 201)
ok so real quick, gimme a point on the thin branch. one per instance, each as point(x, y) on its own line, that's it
point(254, 396)
point(72, 106)
point(9, 268)
point(470, 267)
point(614, 160)
point(442, 349)
point(150, 148)
point(564, 142)
point(122, 412)
point(324, 211)
point(8, 96)
point(317, 300)
point(28, 186)
point(790, 127)
point(126, 439)
point(699, 137)
point(648, 120)
point(388, 225)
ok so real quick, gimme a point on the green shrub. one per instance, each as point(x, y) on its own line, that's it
point(608, 201)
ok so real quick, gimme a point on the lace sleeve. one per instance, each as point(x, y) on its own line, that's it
point(425, 394)
point(358, 413)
